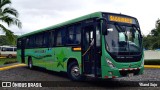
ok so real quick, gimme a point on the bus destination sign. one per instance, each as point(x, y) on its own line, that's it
point(121, 19)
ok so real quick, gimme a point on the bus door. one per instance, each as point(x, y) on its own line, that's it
point(88, 50)
point(23, 50)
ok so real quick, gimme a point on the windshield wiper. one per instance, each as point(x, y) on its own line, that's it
point(118, 27)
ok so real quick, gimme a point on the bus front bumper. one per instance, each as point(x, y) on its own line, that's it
point(124, 72)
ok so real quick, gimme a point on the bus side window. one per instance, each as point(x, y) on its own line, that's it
point(59, 38)
point(73, 35)
point(63, 35)
point(78, 34)
point(19, 44)
point(27, 43)
point(31, 43)
point(52, 38)
point(39, 40)
point(45, 39)
point(70, 35)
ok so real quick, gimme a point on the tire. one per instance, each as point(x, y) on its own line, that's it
point(74, 72)
point(9, 56)
point(30, 63)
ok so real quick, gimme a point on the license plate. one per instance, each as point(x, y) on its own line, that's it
point(130, 74)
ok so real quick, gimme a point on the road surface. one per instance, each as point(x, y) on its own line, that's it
point(60, 81)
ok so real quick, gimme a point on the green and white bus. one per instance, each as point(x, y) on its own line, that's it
point(99, 45)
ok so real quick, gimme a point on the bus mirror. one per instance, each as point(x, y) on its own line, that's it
point(104, 25)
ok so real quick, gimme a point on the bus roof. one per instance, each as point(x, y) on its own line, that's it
point(92, 15)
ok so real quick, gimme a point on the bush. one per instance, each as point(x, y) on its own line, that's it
point(8, 62)
point(151, 62)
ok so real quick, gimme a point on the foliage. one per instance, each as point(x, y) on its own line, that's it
point(152, 62)
point(7, 61)
point(4, 40)
point(9, 16)
point(152, 41)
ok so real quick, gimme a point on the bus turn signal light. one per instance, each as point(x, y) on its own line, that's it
point(76, 49)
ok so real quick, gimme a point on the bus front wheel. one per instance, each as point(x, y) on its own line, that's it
point(74, 71)
point(30, 63)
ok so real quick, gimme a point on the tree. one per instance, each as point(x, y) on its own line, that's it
point(9, 16)
point(152, 40)
point(156, 32)
point(5, 41)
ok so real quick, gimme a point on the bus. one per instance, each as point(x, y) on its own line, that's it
point(98, 45)
point(8, 51)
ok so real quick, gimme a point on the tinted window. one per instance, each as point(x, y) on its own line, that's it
point(73, 35)
point(9, 49)
point(52, 36)
point(45, 40)
point(78, 34)
point(59, 38)
point(19, 43)
point(27, 42)
point(70, 35)
point(31, 42)
point(39, 40)
point(15, 49)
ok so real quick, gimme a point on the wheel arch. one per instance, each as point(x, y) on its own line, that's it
point(70, 60)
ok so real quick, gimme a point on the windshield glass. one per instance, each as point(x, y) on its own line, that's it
point(123, 40)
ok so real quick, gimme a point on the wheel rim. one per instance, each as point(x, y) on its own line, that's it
point(75, 71)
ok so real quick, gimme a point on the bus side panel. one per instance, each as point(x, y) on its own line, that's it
point(52, 58)
point(62, 55)
point(39, 56)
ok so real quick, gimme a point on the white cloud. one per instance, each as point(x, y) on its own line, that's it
point(36, 14)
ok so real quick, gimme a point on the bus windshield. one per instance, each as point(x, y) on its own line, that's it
point(123, 39)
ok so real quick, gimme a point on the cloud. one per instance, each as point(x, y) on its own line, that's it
point(36, 14)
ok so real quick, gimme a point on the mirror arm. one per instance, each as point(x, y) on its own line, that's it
point(104, 32)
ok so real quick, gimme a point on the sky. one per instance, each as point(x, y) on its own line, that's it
point(37, 14)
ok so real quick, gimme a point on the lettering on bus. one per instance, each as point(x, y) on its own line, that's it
point(120, 19)
point(40, 51)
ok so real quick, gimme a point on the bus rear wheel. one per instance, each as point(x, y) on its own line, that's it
point(30, 63)
point(74, 72)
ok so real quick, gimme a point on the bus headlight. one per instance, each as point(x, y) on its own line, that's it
point(110, 64)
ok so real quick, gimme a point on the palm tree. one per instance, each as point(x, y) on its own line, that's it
point(9, 16)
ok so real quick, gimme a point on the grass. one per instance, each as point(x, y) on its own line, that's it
point(7, 61)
